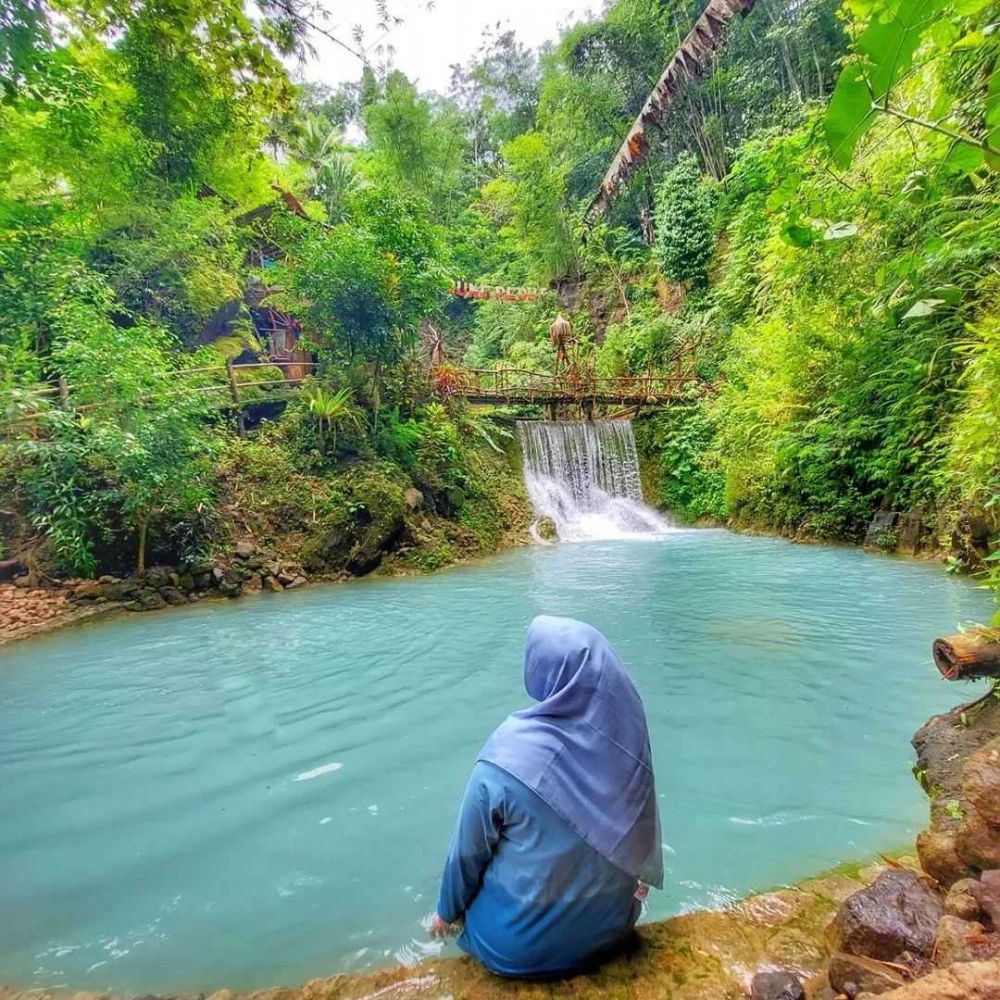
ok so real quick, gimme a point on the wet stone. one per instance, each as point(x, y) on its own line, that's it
point(777, 986)
point(855, 974)
point(897, 913)
point(150, 600)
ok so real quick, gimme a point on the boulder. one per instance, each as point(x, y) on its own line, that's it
point(777, 986)
point(961, 900)
point(89, 590)
point(545, 529)
point(978, 842)
point(912, 532)
point(897, 913)
point(252, 584)
point(244, 549)
point(157, 577)
point(854, 974)
point(270, 583)
point(981, 781)
point(987, 895)
point(881, 531)
point(173, 595)
point(939, 856)
point(413, 498)
point(120, 590)
point(148, 599)
point(299, 581)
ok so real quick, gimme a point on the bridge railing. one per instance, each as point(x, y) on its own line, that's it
point(501, 383)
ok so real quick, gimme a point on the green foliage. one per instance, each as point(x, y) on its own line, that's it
point(885, 49)
point(174, 262)
point(645, 340)
point(529, 200)
point(843, 309)
point(330, 412)
point(685, 238)
point(417, 143)
point(505, 330)
point(364, 285)
point(689, 477)
point(132, 465)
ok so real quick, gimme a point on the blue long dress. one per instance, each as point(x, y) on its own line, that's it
point(536, 898)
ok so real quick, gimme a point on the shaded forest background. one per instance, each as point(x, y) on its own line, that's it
point(818, 219)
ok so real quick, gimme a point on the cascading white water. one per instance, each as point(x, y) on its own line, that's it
point(584, 477)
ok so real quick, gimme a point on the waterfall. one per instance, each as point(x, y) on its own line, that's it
point(584, 477)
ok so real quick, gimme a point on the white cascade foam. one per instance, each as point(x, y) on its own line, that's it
point(584, 476)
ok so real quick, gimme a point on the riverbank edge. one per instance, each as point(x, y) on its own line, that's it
point(784, 925)
point(62, 604)
point(71, 604)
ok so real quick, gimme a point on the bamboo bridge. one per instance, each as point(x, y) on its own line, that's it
point(512, 386)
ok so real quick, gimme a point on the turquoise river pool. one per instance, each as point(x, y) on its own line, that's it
point(261, 791)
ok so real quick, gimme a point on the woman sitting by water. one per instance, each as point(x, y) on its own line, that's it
point(559, 832)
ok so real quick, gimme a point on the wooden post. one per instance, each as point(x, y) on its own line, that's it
point(235, 392)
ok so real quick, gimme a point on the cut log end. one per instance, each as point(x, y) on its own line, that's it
point(967, 656)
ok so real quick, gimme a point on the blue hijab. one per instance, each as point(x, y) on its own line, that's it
point(584, 749)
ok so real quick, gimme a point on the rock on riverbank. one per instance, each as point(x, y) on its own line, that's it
point(934, 934)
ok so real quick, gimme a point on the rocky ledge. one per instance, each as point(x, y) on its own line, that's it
point(890, 930)
point(698, 956)
point(28, 609)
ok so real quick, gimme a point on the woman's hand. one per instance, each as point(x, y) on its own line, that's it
point(442, 929)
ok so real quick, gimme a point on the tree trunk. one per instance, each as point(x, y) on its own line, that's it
point(968, 656)
point(140, 566)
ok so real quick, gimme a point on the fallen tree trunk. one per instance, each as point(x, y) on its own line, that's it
point(967, 656)
point(689, 64)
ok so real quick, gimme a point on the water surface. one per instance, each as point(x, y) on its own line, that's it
point(256, 792)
